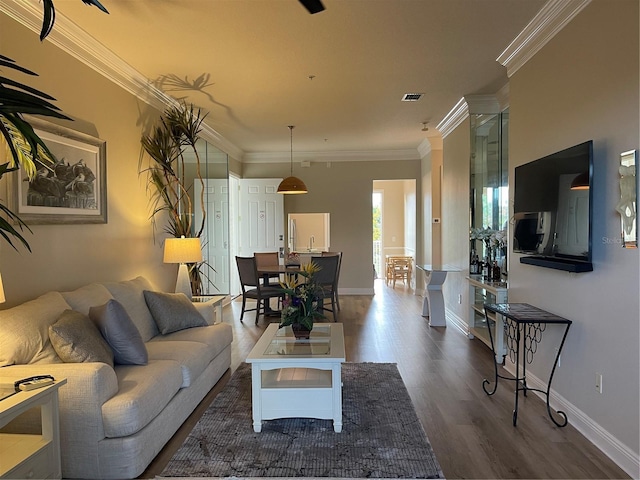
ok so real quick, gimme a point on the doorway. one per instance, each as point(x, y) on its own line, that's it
point(394, 221)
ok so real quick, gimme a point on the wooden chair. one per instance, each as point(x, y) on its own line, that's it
point(252, 287)
point(401, 269)
point(266, 259)
point(327, 278)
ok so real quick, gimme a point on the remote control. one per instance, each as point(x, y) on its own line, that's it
point(33, 384)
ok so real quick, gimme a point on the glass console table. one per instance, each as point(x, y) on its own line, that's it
point(523, 326)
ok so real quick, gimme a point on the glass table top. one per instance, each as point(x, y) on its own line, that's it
point(284, 342)
point(6, 391)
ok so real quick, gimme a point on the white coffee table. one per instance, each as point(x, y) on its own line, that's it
point(293, 378)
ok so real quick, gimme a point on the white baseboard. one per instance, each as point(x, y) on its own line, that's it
point(456, 322)
point(619, 453)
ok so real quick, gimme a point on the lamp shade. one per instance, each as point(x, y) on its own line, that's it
point(292, 185)
point(182, 250)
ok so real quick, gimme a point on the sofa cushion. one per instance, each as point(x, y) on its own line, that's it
point(76, 339)
point(120, 333)
point(173, 311)
point(24, 330)
point(129, 294)
point(143, 392)
point(216, 337)
point(83, 298)
point(193, 357)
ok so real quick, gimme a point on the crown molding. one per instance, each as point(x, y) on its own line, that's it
point(424, 148)
point(551, 18)
point(458, 114)
point(70, 38)
point(482, 104)
point(334, 157)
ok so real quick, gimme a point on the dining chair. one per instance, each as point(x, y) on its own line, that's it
point(326, 277)
point(253, 288)
point(339, 255)
point(264, 259)
point(401, 269)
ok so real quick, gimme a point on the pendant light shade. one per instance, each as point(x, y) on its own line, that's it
point(581, 182)
point(292, 185)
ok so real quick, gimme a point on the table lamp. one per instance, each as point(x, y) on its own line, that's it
point(182, 251)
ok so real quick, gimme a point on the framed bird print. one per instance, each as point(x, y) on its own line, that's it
point(73, 189)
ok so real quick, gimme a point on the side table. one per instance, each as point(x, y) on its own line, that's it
point(26, 455)
point(433, 303)
point(214, 300)
point(523, 326)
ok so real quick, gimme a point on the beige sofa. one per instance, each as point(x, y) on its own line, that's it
point(115, 420)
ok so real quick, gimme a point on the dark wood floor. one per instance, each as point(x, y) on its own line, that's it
point(471, 433)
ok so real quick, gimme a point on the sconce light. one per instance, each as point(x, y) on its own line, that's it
point(182, 251)
point(292, 185)
point(581, 182)
point(627, 206)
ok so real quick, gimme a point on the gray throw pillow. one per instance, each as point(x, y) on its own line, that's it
point(76, 339)
point(120, 332)
point(173, 311)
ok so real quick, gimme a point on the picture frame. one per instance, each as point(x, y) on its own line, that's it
point(74, 190)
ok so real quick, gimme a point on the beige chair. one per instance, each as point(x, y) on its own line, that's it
point(400, 268)
point(252, 287)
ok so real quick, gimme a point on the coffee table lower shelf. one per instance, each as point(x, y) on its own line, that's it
point(297, 392)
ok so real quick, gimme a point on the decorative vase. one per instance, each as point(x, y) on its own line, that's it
point(300, 331)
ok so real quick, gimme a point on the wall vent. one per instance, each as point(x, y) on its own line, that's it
point(412, 97)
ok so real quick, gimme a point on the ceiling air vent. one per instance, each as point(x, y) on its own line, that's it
point(412, 97)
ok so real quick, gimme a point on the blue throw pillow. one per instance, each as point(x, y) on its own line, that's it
point(120, 332)
point(173, 311)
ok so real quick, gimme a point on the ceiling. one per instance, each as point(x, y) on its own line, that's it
point(257, 66)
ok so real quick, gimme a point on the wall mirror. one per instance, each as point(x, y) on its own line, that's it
point(488, 206)
point(627, 206)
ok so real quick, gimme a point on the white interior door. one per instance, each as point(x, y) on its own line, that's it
point(215, 238)
point(261, 220)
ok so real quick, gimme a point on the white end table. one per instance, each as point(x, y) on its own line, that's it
point(25, 455)
point(293, 378)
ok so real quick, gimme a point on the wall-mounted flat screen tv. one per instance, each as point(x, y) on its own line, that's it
point(553, 210)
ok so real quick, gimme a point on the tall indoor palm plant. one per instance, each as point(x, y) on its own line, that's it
point(168, 145)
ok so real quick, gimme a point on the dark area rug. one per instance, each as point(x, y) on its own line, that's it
point(381, 436)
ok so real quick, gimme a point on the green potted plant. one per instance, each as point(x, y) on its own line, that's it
point(300, 306)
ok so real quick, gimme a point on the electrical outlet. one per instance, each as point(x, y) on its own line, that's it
point(599, 382)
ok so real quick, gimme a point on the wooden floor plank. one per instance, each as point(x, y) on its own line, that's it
point(471, 433)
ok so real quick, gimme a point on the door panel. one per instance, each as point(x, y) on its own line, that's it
point(261, 216)
point(215, 238)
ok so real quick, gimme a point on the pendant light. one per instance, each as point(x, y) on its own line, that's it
point(581, 182)
point(292, 185)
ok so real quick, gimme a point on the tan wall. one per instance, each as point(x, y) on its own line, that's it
point(455, 216)
point(584, 85)
point(392, 216)
point(343, 190)
point(68, 256)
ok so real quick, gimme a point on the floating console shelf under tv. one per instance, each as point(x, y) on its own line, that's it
point(568, 265)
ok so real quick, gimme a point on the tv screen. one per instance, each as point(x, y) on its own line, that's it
point(553, 209)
